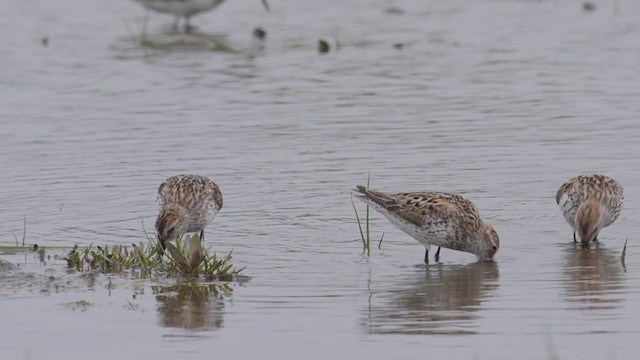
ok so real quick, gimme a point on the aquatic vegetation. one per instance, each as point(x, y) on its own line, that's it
point(365, 236)
point(114, 259)
point(81, 305)
point(143, 260)
point(188, 257)
point(624, 255)
point(141, 37)
point(24, 233)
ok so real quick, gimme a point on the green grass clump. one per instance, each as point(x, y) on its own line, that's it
point(187, 258)
point(114, 259)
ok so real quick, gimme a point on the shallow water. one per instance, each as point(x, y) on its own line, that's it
point(499, 100)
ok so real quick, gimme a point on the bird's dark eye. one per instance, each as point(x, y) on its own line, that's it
point(495, 248)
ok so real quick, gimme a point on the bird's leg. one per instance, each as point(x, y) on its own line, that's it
point(574, 237)
point(426, 254)
point(202, 235)
point(438, 254)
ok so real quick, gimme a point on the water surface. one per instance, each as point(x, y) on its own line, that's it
point(501, 101)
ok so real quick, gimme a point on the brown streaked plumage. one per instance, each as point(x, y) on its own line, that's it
point(590, 203)
point(435, 218)
point(188, 203)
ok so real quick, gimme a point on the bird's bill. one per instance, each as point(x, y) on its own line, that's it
point(266, 4)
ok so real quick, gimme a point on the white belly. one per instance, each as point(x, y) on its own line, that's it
point(568, 209)
point(180, 7)
point(434, 234)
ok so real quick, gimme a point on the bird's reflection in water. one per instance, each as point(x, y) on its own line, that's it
point(593, 278)
point(442, 300)
point(192, 306)
point(151, 45)
point(196, 41)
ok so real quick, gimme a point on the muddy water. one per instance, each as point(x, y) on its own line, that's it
point(501, 101)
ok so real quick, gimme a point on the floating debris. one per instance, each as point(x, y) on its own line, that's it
point(259, 33)
point(45, 41)
point(588, 6)
point(399, 46)
point(323, 46)
point(394, 11)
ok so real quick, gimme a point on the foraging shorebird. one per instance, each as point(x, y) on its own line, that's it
point(188, 203)
point(184, 8)
point(433, 218)
point(590, 203)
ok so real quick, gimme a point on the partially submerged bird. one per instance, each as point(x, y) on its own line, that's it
point(188, 203)
point(434, 218)
point(184, 8)
point(590, 203)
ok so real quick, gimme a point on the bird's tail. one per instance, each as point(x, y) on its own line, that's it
point(371, 197)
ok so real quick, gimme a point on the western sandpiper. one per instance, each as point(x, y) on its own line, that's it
point(188, 203)
point(184, 8)
point(590, 203)
point(434, 218)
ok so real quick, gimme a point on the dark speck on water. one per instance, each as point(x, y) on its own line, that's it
point(323, 46)
point(259, 33)
point(394, 11)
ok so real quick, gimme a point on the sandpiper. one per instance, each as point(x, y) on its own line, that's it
point(184, 8)
point(188, 203)
point(434, 218)
point(590, 203)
